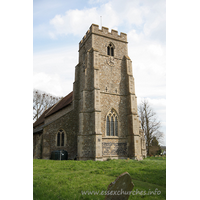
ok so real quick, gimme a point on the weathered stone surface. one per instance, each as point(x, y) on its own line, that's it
point(111, 148)
point(121, 188)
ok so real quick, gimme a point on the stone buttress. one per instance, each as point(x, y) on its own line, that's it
point(104, 83)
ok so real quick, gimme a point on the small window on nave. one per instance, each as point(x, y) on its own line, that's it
point(60, 138)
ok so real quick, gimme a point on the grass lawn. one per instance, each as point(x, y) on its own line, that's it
point(53, 179)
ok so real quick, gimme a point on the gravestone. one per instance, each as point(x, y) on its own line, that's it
point(121, 188)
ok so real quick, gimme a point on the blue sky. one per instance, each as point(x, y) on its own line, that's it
point(58, 27)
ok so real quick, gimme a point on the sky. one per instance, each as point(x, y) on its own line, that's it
point(58, 27)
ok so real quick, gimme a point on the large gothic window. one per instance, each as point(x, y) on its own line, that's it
point(112, 123)
point(60, 138)
point(110, 50)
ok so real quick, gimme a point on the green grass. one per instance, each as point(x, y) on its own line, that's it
point(65, 180)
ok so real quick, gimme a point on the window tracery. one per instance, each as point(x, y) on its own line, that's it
point(112, 123)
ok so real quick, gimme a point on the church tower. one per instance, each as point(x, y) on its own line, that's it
point(104, 96)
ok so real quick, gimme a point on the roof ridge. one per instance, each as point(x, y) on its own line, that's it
point(61, 104)
point(53, 106)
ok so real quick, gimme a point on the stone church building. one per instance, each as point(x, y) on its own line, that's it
point(98, 119)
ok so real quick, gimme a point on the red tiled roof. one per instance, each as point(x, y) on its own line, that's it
point(61, 104)
point(64, 102)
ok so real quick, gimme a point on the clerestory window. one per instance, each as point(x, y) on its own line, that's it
point(112, 123)
point(110, 50)
point(60, 138)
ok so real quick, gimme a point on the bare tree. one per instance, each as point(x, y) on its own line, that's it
point(149, 123)
point(159, 136)
point(41, 102)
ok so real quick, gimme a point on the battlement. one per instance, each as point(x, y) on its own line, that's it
point(94, 29)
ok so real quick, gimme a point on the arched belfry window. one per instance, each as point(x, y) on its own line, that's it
point(60, 137)
point(112, 123)
point(110, 49)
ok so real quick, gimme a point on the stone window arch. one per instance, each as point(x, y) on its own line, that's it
point(60, 138)
point(110, 49)
point(112, 123)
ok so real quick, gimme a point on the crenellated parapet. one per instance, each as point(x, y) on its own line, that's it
point(104, 31)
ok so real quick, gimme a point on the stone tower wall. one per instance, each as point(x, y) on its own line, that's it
point(106, 82)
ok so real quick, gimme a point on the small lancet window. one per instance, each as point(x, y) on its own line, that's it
point(110, 50)
point(60, 138)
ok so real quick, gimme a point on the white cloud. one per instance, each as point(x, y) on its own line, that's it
point(52, 35)
point(56, 60)
point(72, 22)
point(54, 70)
point(52, 83)
point(147, 16)
point(149, 67)
point(113, 13)
point(48, 83)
